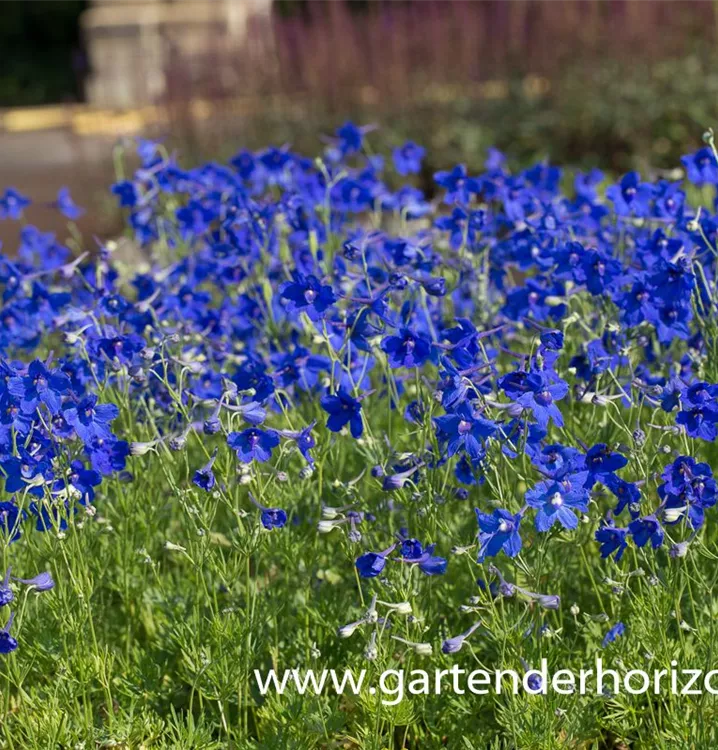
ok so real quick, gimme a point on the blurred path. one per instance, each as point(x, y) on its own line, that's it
point(39, 162)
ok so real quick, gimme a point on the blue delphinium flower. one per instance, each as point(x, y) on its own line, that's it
point(600, 272)
point(462, 226)
point(350, 137)
point(271, 518)
point(90, 419)
point(303, 439)
point(615, 632)
point(398, 479)
point(8, 644)
point(126, 193)
point(11, 518)
point(12, 204)
point(458, 185)
point(12, 417)
point(40, 385)
point(631, 196)
point(699, 414)
point(413, 552)
point(498, 531)
point(688, 490)
point(66, 206)
point(463, 429)
point(343, 409)
point(204, 478)
point(701, 167)
point(601, 461)
point(371, 564)
point(612, 541)
point(253, 444)
point(6, 593)
point(408, 158)
point(552, 340)
point(408, 349)
point(644, 530)
point(452, 645)
point(307, 294)
point(41, 582)
point(627, 493)
point(539, 393)
point(556, 502)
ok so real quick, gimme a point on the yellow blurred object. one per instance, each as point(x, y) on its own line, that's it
point(111, 122)
point(35, 118)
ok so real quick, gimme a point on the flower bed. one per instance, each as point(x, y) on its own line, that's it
point(335, 425)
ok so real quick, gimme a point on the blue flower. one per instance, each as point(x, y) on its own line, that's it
point(408, 158)
point(7, 643)
point(644, 530)
point(408, 349)
point(253, 444)
point(612, 541)
point(307, 294)
point(66, 206)
point(601, 461)
point(700, 411)
point(204, 478)
point(615, 632)
point(350, 137)
point(41, 582)
point(413, 552)
point(631, 196)
point(11, 517)
point(688, 490)
point(343, 409)
point(671, 321)
point(12, 416)
point(452, 645)
point(39, 386)
point(540, 394)
point(271, 518)
point(245, 164)
point(371, 564)
point(552, 340)
point(25, 472)
point(498, 531)
point(12, 204)
point(90, 419)
point(127, 193)
point(557, 501)
point(599, 271)
point(303, 439)
point(6, 593)
point(627, 493)
point(701, 167)
point(275, 160)
point(458, 185)
point(464, 429)
point(107, 455)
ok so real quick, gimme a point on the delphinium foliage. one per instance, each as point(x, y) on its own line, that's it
point(331, 424)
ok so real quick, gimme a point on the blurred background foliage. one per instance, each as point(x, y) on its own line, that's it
point(645, 120)
point(616, 83)
point(619, 84)
point(41, 45)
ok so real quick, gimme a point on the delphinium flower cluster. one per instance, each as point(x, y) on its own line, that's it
point(508, 389)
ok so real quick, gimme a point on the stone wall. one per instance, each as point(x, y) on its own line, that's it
point(139, 49)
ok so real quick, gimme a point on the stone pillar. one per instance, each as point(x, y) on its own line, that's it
point(132, 43)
